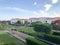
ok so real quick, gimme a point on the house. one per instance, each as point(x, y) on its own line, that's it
point(23, 20)
point(42, 19)
point(33, 20)
point(56, 25)
point(13, 21)
point(47, 20)
point(57, 22)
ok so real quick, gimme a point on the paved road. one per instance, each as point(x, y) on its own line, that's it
point(19, 35)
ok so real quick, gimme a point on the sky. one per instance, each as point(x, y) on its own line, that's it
point(29, 8)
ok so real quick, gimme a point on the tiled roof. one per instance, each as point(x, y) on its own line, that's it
point(57, 21)
point(34, 18)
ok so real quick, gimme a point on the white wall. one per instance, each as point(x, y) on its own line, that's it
point(44, 20)
point(13, 21)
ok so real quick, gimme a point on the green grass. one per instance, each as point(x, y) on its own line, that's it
point(28, 30)
point(6, 39)
point(6, 27)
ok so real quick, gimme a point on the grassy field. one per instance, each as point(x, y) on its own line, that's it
point(6, 39)
point(28, 30)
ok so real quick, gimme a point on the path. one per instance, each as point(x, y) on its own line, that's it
point(22, 36)
point(19, 35)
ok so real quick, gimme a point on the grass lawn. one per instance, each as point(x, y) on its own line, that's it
point(28, 30)
point(6, 39)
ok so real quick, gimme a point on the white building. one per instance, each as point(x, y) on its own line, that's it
point(13, 21)
point(47, 20)
point(33, 20)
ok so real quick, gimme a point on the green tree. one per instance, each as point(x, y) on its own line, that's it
point(34, 23)
point(42, 27)
point(26, 23)
point(18, 23)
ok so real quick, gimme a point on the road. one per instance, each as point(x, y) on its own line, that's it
point(19, 35)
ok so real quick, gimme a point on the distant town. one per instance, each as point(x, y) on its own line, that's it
point(30, 20)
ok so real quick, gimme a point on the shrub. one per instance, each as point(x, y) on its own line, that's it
point(52, 38)
point(33, 41)
point(42, 27)
point(56, 33)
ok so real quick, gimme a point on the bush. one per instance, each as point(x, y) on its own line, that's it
point(52, 38)
point(33, 23)
point(56, 33)
point(33, 41)
point(42, 27)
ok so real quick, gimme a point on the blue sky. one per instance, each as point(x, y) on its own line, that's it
point(29, 8)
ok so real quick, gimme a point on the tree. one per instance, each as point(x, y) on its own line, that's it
point(42, 27)
point(26, 23)
point(18, 23)
point(34, 23)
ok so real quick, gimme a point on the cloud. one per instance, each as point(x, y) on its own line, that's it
point(47, 7)
point(35, 3)
point(17, 9)
point(54, 1)
point(43, 13)
point(35, 13)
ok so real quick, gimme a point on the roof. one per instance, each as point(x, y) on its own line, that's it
point(57, 21)
point(34, 18)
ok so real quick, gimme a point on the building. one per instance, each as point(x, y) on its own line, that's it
point(57, 22)
point(23, 20)
point(33, 20)
point(47, 20)
point(13, 21)
point(30, 20)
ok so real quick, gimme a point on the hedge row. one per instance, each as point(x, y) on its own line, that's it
point(33, 41)
point(52, 38)
point(56, 33)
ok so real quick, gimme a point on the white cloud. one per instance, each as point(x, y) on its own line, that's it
point(35, 3)
point(17, 9)
point(47, 7)
point(41, 11)
point(56, 14)
point(35, 13)
point(54, 1)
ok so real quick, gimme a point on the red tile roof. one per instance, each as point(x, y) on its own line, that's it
point(57, 21)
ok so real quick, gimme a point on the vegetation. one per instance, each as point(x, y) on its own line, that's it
point(6, 39)
point(52, 38)
point(42, 27)
point(33, 41)
point(56, 33)
point(18, 23)
point(26, 23)
point(56, 26)
point(27, 30)
point(55, 37)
